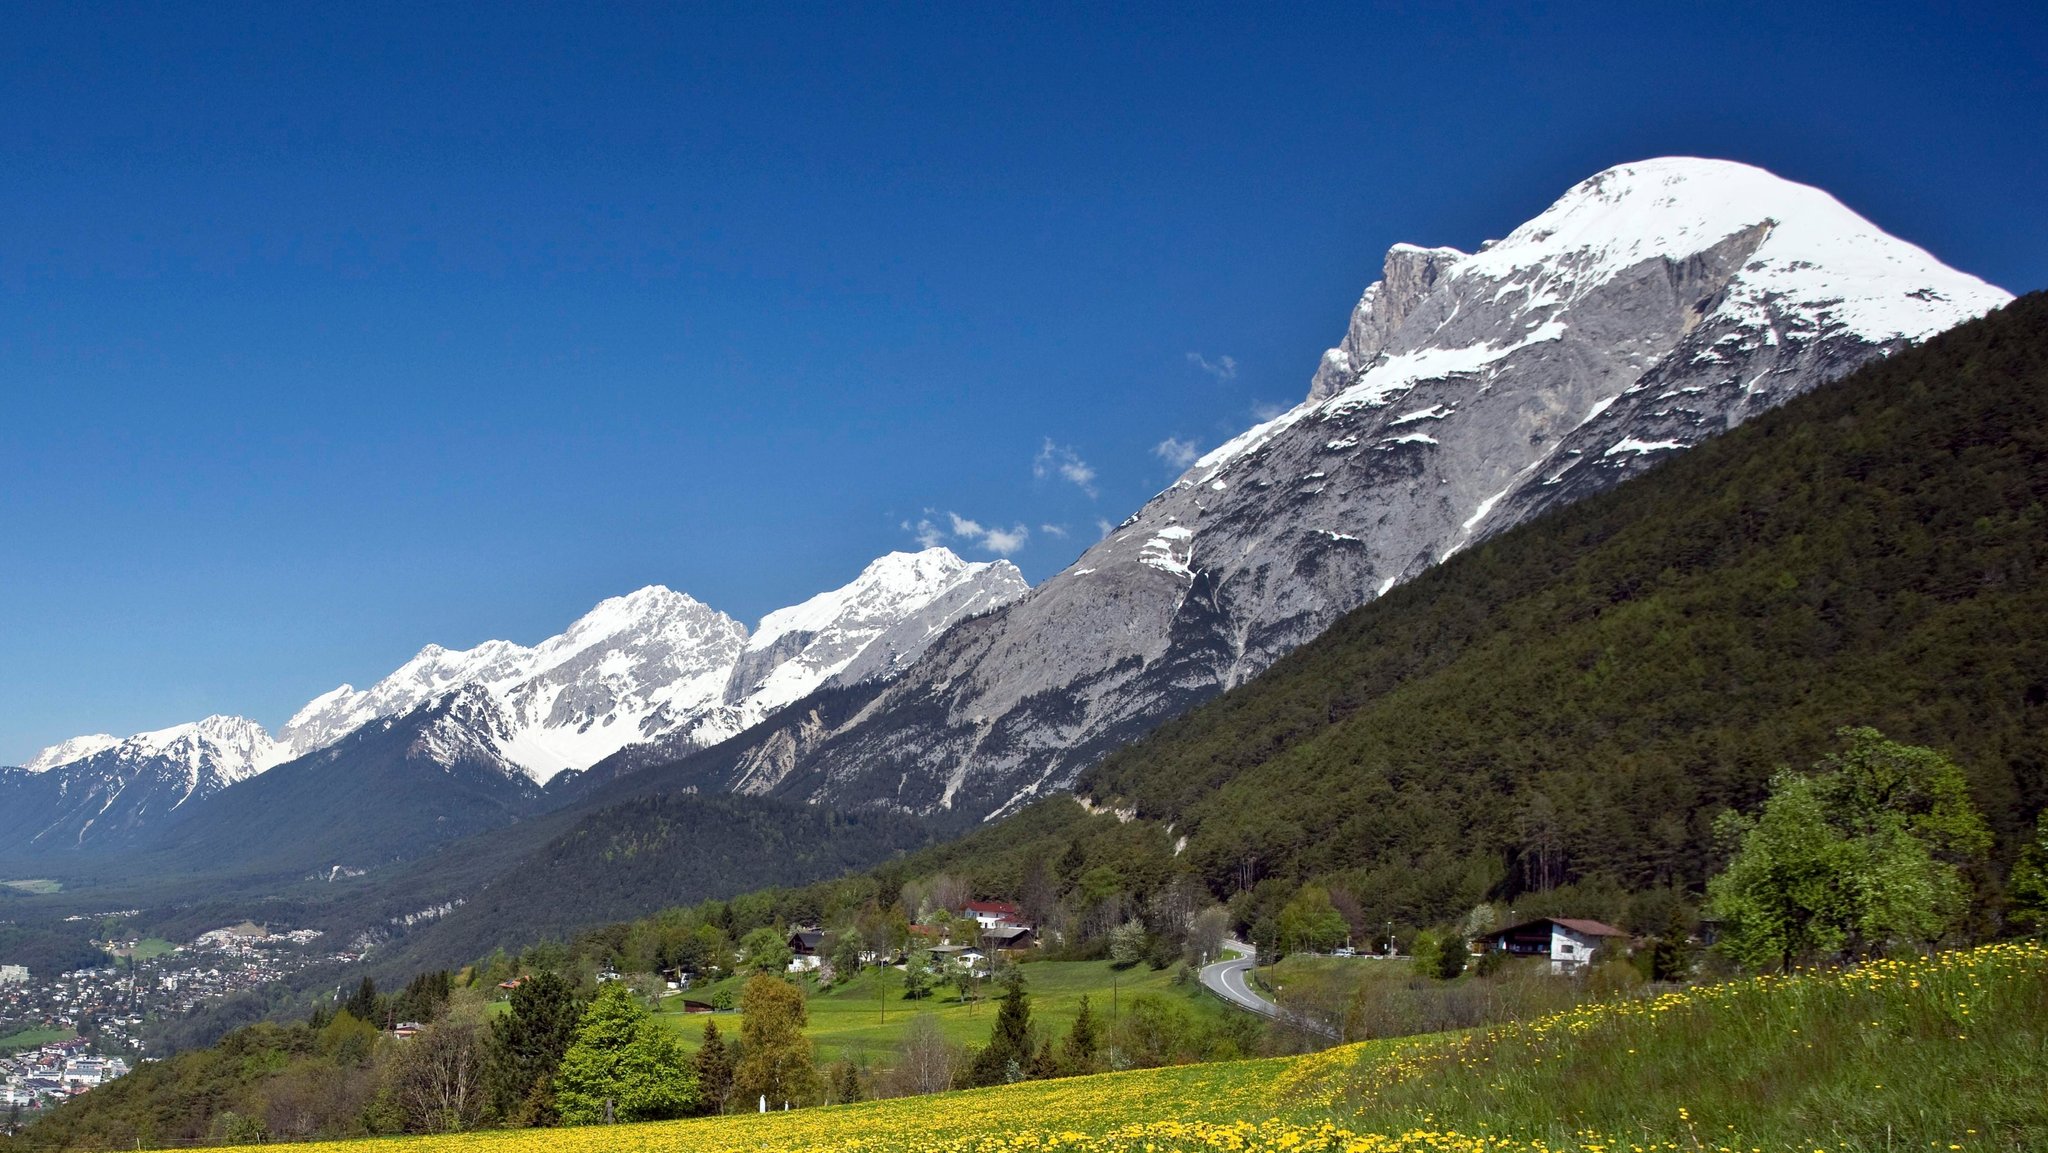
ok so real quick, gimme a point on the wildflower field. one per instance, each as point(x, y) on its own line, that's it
point(1948, 1053)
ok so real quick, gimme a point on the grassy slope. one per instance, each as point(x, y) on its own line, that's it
point(847, 1022)
point(1943, 1054)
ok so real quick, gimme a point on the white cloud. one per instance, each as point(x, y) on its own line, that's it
point(1054, 530)
point(1177, 453)
point(1222, 368)
point(930, 533)
point(1062, 461)
point(927, 534)
point(1263, 410)
point(1103, 526)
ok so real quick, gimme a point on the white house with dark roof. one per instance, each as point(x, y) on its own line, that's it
point(1569, 942)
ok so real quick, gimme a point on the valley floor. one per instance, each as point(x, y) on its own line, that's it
point(1945, 1053)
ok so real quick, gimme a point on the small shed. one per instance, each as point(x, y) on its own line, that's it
point(1569, 942)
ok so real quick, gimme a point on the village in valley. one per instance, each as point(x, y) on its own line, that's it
point(65, 1034)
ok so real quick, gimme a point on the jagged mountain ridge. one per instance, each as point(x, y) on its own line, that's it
point(1651, 306)
point(120, 787)
point(650, 664)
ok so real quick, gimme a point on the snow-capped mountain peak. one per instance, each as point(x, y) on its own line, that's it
point(635, 667)
point(1815, 256)
point(75, 749)
point(1649, 307)
point(888, 581)
point(865, 628)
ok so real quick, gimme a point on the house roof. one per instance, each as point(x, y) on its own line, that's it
point(1579, 925)
point(1007, 932)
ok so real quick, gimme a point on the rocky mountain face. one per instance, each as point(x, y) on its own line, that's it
point(1651, 306)
point(649, 665)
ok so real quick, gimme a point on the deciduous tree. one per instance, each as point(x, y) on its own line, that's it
point(1861, 855)
point(623, 1066)
point(775, 1056)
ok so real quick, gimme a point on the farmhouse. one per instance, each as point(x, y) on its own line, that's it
point(803, 950)
point(1569, 942)
point(990, 914)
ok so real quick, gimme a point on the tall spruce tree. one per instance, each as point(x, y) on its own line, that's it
point(714, 1071)
point(1007, 1057)
point(1077, 1053)
point(364, 1004)
point(527, 1045)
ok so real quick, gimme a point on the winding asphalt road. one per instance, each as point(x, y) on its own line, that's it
point(1228, 979)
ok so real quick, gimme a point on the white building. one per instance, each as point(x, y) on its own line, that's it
point(1569, 942)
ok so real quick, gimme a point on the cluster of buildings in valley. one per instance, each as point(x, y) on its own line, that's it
point(82, 1028)
point(41, 1077)
point(973, 933)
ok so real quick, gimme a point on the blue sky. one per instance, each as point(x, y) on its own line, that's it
point(328, 331)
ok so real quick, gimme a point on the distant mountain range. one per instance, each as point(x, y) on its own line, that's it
point(503, 718)
point(1653, 305)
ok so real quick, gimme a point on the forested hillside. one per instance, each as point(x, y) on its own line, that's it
point(1577, 699)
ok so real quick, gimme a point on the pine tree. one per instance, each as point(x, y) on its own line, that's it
point(1078, 1051)
point(2026, 893)
point(1009, 1043)
point(363, 1003)
point(846, 1084)
point(714, 1071)
point(1045, 1063)
point(527, 1045)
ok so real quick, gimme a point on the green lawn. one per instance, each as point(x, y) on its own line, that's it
point(867, 1017)
point(41, 885)
point(33, 1038)
point(147, 949)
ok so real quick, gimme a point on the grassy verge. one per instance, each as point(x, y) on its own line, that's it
point(1944, 1054)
